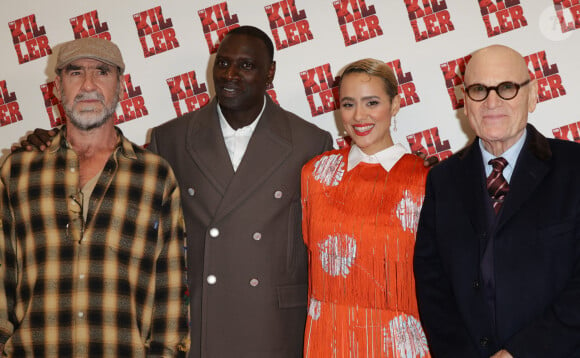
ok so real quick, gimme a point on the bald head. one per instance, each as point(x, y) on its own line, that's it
point(495, 57)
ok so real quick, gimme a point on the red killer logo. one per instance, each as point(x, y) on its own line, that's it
point(187, 94)
point(501, 16)
point(321, 89)
point(9, 109)
point(54, 108)
point(406, 87)
point(156, 33)
point(433, 145)
point(132, 104)
point(453, 72)
point(569, 132)
point(289, 26)
point(216, 22)
point(88, 25)
point(358, 22)
point(272, 93)
point(30, 41)
point(568, 12)
point(549, 80)
point(429, 18)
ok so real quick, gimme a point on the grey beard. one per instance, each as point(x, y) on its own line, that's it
point(76, 119)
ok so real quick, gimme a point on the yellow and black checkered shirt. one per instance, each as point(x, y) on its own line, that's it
point(113, 286)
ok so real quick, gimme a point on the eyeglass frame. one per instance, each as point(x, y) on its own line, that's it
point(496, 89)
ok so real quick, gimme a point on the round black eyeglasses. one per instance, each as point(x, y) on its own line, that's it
point(505, 90)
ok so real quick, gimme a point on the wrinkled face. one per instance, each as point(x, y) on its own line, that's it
point(241, 72)
point(499, 122)
point(89, 91)
point(366, 110)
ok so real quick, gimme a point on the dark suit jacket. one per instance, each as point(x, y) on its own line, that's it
point(257, 306)
point(536, 255)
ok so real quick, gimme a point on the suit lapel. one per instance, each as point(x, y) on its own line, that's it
point(206, 146)
point(530, 170)
point(469, 181)
point(267, 150)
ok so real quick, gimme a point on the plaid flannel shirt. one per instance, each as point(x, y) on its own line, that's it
point(113, 286)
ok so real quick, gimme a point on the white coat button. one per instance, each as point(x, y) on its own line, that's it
point(254, 282)
point(257, 236)
point(214, 232)
point(211, 279)
point(82, 276)
point(277, 194)
point(81, 314)
point(191, 192)
point(72, 169)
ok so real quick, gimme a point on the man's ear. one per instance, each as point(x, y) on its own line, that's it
point(271, 72)
point(122, 88)
point(533, 96)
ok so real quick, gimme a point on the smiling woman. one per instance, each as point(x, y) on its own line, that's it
point(366, 110)
point(360, 212)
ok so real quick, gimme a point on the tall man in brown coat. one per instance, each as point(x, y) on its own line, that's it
point(247, 262)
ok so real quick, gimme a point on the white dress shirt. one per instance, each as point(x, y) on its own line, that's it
point(237, 139)
point(511, 155)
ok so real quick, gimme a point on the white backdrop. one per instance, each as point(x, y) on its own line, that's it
point(168, 47)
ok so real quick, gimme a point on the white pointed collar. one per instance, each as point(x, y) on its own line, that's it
point(386, 157)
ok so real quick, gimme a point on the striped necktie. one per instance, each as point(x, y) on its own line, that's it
point(497, 186)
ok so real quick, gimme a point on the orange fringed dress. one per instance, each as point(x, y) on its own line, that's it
point(359, 227)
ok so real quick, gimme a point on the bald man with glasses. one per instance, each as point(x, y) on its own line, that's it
point(497, 256)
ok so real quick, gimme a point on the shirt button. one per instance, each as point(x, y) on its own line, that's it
point(81, 314)
point(278, 194)
point(82, 276)
point(191, 192)
point(254, 282)
point(211, 279)
point(214, 232)
point(257, 236)
point(72, 169)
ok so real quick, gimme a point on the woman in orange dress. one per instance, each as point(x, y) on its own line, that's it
point(360, 211)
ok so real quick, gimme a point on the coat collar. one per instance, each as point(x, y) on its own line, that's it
point(205, 144)
point(531, 167)
point(270, 145)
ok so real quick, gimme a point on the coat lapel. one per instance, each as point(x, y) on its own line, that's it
point(206, 146)
point(531, 167)
point(469, 181)
point(267, 150)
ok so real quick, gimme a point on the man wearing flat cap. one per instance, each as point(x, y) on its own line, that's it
point(91, 237)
